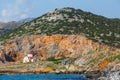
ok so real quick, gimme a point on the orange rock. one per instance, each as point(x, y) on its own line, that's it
point(48, 70)
point(70, 46)
point(103, 65)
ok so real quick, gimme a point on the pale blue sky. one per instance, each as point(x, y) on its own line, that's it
point(19, 9)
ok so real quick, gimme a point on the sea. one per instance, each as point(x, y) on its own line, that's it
point(43, 77)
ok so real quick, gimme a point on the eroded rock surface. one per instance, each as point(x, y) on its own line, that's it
point(83, 53)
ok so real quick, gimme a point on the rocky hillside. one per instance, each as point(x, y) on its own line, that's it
point(72, 21)
point(78, 50)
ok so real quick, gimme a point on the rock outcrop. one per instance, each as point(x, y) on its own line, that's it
point(51, 46)
point(78, 52)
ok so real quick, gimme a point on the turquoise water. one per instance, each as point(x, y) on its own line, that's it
point(43, 77)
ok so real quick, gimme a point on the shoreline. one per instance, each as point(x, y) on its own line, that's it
point(91, 75)
point(88, 75)
point(38, 72)
point(47, 67)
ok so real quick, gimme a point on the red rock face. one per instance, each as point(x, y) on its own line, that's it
point(50, 46)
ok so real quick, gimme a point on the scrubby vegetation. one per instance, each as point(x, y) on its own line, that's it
point(71, 21)
point(56, 61)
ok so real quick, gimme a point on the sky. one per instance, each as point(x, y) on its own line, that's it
point(14, 10)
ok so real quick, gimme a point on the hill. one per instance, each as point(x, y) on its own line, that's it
point(6, 27)
point(9, 25)
point(65, 40)
point(72, 21)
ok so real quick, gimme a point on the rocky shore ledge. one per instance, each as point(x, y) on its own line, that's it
point(44, 67)
point(94, 75)
point(111, 73)
point(90, 75)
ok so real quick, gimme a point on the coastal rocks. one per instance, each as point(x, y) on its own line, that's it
point(114, 75)
point(79, 50)
point(46, 70)
point(80, 62)
point(111, 73)
point(67, 61)
point(72, 68)
point(111, 76)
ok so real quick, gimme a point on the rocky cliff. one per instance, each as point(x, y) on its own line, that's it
point(84, 51)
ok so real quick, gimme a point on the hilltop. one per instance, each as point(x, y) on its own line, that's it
point(71, 21)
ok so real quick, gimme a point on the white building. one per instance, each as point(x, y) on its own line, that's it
point(29, 58)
